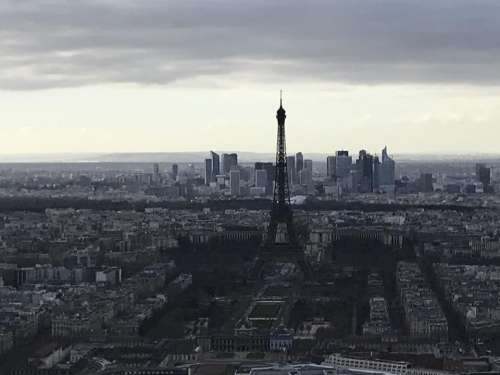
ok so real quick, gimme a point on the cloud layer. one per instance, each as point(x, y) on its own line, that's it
point(66, 43)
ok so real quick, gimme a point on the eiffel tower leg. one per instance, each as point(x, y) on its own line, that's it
point(271, 233)
point(291, 231)
point(290, 228)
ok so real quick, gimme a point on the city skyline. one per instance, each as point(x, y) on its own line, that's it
point(419, 77)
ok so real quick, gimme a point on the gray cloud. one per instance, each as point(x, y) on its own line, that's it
point(61, 43)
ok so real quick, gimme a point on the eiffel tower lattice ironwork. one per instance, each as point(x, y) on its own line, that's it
point(281, 212)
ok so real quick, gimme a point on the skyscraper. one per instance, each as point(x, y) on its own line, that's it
point(261, 178)
point(156, 173)
point(331, 166)
point(208, 171)
point(376, 173)
point(215, 165)
point(229, 161)
point(299, 162)
point(426, 183)
point(364, 165)
point(483, 175)
point(308, 164)
point(343, 164)
point(292, 173)
point(305, 177)
point(234, 182)
point(387, 170)
point(175, 171)
point(305, 174)
point(269, 168)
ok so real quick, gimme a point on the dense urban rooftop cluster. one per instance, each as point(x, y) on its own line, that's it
point(423, 313)
point(110, 287)
point(473, 291)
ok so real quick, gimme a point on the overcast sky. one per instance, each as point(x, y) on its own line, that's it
point(122, 75)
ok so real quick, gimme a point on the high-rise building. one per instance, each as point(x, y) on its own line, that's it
point(387, 170)
point(175, 171)
point(305, 177)
point(306, 173)
point(229, 161)
point(308, 164)
point(425, 183)
point(364, 165)
point(234, 181)
point(220, 181)
point(483, 175)
point(270, 171)
point(331, 166)
point(299, 162)
point(215, 165)
point(208, 171)
point(156, 173)
point(343, 164)
point(245, 172)
point(261, 178)
point(376, 173)
point(291, 171)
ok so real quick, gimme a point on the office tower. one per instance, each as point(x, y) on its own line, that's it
point(376, 173)
point(425, 183)
point(215, 165)
point(234, 182)
point(331, 165)
point(175, 171)
point(245, 173)
point(483, 174)
point(292, 175)
point(364, 165)
point(156, 173)
point(479, 166)
point(229, 161)
point(220, 180)
point(261, 178)
point(270, 171)
point(299, 162)
point(343, 164)
point(387, 169)
point(305, 177)
point(208, 171)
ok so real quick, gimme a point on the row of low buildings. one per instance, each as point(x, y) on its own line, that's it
point(423, 314)
point(83, 310)
point(472, 291)
point(379, 366)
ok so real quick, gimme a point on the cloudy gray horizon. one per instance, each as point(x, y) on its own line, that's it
point(54, 50)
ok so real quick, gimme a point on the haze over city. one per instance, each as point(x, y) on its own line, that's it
point(150, 76)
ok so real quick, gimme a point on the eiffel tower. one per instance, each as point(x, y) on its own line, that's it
point(281, 243)
point(281, 211)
